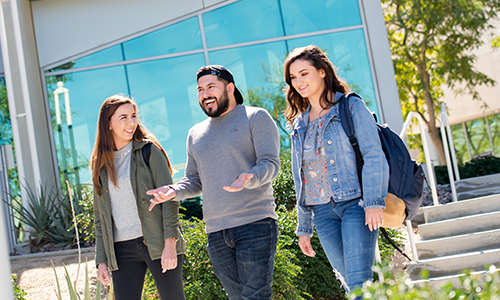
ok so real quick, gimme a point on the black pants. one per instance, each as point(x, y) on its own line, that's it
point(133, 261)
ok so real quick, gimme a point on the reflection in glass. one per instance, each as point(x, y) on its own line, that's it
point(242, 21)
point(11, 185)
point(347, 51)
point(179, 37)
point(460, 143)
point(495, 132)
point(83, 94)
point(479, 140)
point(258, 73)
point(319, 15)
point(106, 56)
point(165, 91)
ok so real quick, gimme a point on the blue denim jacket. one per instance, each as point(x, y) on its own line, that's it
point(341, 163)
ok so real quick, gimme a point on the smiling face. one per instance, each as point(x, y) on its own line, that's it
point(213, 96)
point(123, 124)
point(308, 81)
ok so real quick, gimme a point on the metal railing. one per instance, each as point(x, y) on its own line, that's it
point(430, 172)
point(446, 136)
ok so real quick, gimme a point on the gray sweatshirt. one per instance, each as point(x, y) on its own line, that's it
point(245, 140)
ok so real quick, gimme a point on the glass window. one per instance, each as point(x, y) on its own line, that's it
point(258, 74)
point(179, 37)
point(106, 56)
point(347, 51)
point(319, 15)
point(242, 21)
point(479, 140)
point(165, 91)
point(460, 143)
point(495, 132)
point(6, 139)
point(74, 117)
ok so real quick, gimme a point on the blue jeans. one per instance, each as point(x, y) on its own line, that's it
point(346, 240)
point(243, 258)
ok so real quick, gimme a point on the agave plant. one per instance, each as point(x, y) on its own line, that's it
point(73, 294)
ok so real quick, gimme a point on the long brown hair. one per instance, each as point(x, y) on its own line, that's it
point(102, 154)
point(296, 103)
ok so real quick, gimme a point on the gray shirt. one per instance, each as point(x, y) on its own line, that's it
point(126, 222)
point(245, 140)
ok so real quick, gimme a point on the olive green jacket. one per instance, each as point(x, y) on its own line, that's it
point(157, 225)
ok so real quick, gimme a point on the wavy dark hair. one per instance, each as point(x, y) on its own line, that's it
point(296, 103)
point(102, 154)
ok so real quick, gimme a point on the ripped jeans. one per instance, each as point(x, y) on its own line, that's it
point(346, 240)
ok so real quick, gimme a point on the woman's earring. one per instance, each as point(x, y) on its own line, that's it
point(110, 128)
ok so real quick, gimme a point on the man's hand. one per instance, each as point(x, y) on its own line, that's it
point(374, 217)
point(239, 183)
point(169, 256)
point(103, 274)
point(305, 245)
point(161, 195)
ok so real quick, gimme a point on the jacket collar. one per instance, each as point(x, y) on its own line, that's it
point(302, 120)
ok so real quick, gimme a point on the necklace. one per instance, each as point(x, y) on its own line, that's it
point(123, 154)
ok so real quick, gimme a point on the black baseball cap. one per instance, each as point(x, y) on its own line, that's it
point(223, 73)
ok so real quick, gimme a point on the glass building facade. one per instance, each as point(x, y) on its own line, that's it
point(158, 69)
point(477, 137)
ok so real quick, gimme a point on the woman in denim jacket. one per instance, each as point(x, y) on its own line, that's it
point(329, 196)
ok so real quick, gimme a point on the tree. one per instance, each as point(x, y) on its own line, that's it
point(432, 45)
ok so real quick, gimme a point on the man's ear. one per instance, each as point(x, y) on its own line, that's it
point(230, 88)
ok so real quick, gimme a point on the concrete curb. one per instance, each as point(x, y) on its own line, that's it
point(51, 254)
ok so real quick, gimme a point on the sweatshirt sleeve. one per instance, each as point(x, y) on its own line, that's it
point(190, 185)
point(266, 142)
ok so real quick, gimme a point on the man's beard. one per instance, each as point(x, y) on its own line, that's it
point(222, 105)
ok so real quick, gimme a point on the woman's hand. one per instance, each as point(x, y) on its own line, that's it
point(169, 255)
point(305, 245)
point(163, 194)
point(374, 217)
point(103, 274)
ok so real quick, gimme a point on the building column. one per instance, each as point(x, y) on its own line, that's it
point(29, 114)
point(385, 79)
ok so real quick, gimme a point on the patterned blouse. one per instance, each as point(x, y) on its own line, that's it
point(316, 187)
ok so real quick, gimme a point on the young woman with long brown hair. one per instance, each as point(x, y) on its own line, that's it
point(129, 238)
point(346, 214)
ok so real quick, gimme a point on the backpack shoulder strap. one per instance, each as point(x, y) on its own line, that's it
point(146, 153)
point(346, 121)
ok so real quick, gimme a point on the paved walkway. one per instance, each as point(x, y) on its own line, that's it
point(36, 276)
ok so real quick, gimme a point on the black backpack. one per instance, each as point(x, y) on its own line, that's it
point(146, 153)
point(406, 177)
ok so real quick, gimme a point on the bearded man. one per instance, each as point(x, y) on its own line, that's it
point(232, 158)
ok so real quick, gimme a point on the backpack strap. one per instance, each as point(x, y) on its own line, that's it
point(146, 153)
point(346, 121)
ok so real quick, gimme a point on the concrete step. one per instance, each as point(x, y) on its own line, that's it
point(462, 208)
point(478, 186)
point(454, 279)
point(454, 264)
point(470, 242)
point(459, 226)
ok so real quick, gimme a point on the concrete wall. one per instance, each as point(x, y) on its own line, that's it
point(462, 108)
point(65, 28)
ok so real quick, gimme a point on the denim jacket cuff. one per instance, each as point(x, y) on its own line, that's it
point(369, 203)
point(303, 231)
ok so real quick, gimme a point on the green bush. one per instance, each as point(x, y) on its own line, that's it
point(85, 218)
point(395, 286)
point(480, 166)
point(19, 293)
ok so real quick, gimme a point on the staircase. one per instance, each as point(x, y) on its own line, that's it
point(456, 236)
